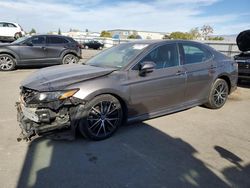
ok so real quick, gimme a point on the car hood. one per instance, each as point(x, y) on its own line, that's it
point(61, 76)
point(243, 41)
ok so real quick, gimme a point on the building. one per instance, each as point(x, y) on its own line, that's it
point(124, 34)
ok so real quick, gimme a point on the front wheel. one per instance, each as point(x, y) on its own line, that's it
point(70, 59)
point(101, 118)
point(7, 62)
point(218, 94)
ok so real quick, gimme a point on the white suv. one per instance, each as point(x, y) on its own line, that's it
point(10, 31)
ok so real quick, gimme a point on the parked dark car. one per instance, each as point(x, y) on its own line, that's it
point(129, 82)
point(243, 59)
point(39, 50)
point(94, 44)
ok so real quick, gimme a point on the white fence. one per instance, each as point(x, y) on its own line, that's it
point(228, 48)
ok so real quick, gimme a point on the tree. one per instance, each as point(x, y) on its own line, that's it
point(194, 32)
point(33, 31)
point(59, 32)
point(166, 37)
point(133, 36)
point(180, 35)
point(206, 30)
point(215, 38)
point(106, 34)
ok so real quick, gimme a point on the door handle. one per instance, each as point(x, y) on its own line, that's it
point(179, 73)
point(212, 67)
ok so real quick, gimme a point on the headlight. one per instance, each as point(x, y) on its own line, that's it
point(55, 95)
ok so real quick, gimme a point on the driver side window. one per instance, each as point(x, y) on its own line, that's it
point(37, 41)
point(163, 56)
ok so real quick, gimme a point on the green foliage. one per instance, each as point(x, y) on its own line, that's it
point(166, 37)
point(215, 38)
point(133, 36)
point(181, 35)
point(59, 32)
point(33, 31)
point(106, 34)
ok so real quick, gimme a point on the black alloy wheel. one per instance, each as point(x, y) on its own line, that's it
point(102, 117)
point(218, 94)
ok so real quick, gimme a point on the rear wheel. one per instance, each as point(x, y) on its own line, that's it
point(17, 36)
point(7, 62)
point(70, 59)
point(218, 94)
point(102, 117)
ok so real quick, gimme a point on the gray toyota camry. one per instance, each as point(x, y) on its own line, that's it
point(130, 82)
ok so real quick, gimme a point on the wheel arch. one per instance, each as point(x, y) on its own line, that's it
point(227, 79)
point(9, 53)
point(68, 52)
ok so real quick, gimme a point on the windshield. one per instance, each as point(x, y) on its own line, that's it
point(118, 56)
point(20, 40)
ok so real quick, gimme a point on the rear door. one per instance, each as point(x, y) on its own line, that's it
point(163, 88)
point(33, 50)
point(55, 47)
point(200, 68)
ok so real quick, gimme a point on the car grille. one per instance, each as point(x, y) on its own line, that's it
point(243, 65)
point(27, 94)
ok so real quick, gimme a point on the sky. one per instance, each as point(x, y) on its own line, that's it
point(225, 16)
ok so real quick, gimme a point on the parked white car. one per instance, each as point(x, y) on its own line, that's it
point(10, 31)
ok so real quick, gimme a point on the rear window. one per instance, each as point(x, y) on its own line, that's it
point(56, 40)
point(4, 24)
point(195, 54)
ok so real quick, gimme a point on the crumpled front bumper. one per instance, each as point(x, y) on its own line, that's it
point(40, 121)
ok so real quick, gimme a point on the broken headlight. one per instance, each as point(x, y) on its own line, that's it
point(55, 95)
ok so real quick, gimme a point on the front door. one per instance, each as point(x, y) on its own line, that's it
point(33, 51)
point(161, 89)
point(55, 47)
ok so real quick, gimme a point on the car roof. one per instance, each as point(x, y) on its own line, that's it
point(50, 35)
point(9, 22)
point(163, 41)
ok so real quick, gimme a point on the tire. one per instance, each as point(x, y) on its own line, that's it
point(100, 48)
point(218, 94)
point(86, 47)
point(101, 117)
point(7, 62)
point(17, 36)
point(70, 59)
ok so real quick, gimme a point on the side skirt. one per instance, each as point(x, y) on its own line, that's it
point(165, 111)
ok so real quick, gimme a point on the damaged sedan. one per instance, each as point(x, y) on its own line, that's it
point(130, 82)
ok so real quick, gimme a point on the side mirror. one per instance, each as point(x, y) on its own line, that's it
point(146, 67)
point(29, 43)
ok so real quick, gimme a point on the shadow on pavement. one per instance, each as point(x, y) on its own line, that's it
point(136, 156)
point(238, 176)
